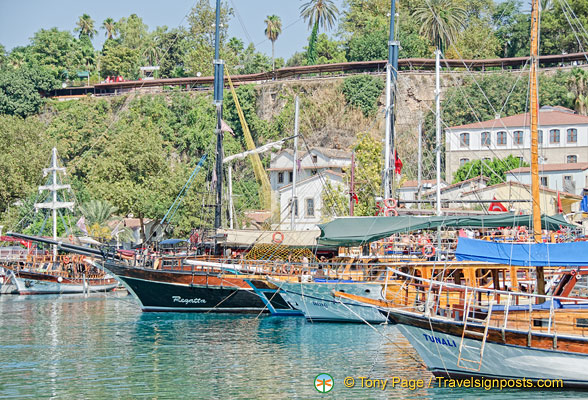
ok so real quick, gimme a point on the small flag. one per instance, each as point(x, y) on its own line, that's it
point(25, 243)
point(354, 197)
point(397, 163)
point(559, 207)
point(82, 225)
point(226, 128)
point(497, 206)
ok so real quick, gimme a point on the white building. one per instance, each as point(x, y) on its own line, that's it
point(315, 168)
point(563, 138)
point(571, 178)
point(455, 191)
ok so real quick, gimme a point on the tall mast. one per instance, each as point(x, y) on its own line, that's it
point(391, 75)
point(294, 201)
point(218, 102)
point(54, 187)
point(534, 97)
point(438, 127)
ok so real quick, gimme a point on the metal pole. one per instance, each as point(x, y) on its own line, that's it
point(294, 200)
point(230, 183)
point(54, 208)
point(388, 138)
point(218, 102)
point(420, 162)
point(438, 126)
point(391, 75)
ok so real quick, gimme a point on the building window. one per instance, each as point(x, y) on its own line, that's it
point(540, 137)
point(518, 137)
point(486, 139)
point(313, 172)
point(310, 207)
point(462, 161)
point(572, 135)
point(554, 136)
point(280, 177)
point(314, 158)
point(521, 161)
point(544, 181)
point(464, 140)
point(572, 159)
point(501, 138)
point(486, 160)
point(291, 176)
point(295, 207)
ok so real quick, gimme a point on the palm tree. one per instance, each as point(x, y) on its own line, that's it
point(272, 30)
point(110, 27)
point(577, 83)
point(441, 21)
point(318, 13)
point(85, 26)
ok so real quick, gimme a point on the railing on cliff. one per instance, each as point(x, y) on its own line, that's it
point(407, 64)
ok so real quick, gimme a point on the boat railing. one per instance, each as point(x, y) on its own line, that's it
point(504, 311)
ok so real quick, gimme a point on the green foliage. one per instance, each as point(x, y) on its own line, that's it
point(372, 45)
point(368, 175)
point(363, 91)
point(441, 21)
point(120, 60)
point(335, 201)
point(311, 52)
point(329, 51)
point(495, 169)
point(20, 90)
point(85, 26)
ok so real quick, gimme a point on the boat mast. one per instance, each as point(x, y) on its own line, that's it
point(54, 205)
point(438, 127)
point(534, 98)
point(391, 75)
point(218, 102)
point(294, 200)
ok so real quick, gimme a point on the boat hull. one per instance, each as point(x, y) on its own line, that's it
point(439, 349)
point(317, 303)
point(186, 291)
point(31, 283)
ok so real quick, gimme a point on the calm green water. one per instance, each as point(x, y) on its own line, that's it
point(103, 346)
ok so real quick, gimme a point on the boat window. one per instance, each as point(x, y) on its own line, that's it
point(501, 138)
point(581, 322)
point(464, 140)
point(572, 135)
point(518, 137)
point(554, 136)
point(541, 322)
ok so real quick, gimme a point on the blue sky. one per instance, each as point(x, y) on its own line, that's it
point(19, 20)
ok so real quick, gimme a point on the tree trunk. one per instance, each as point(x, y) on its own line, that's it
point(273, 59)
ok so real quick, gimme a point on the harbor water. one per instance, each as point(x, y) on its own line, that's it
point(103, 346)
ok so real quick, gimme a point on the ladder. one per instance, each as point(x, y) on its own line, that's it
point(469, 318)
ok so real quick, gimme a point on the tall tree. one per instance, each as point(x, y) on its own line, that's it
point(273, 29)
point(577, 83)
point(85, 26)
point(441, 21)
point(109, 27)
point(318, 13)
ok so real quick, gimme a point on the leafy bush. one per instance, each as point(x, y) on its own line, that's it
point(363, 91)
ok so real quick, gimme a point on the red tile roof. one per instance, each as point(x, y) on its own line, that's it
point(414, 183)
point(552, 167)
point(547, 117)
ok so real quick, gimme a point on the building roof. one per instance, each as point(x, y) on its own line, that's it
point(414, 183)
point(547, 116)
point(552, 168)
point(524, 185)
point(459, 184)
point(332, 153)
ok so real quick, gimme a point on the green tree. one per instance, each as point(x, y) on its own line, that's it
point(174, 48)
point(363, 91)
point(562, 27)
point(495, 170)
point(477, 41)
point(578, 83)
point(368, 175)
point(109, 27)
point(53, 49)
point(20, 89)
point(317, 13)
point(372, 45)
point(441, 21)
point(132, 32)
point(329, 51)
point(3, 57)
point(120, 60)
point(85, 26)
point(273, 29)
point(512, 28)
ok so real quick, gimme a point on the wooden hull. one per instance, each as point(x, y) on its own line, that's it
point(30, 283)
point(187, 291)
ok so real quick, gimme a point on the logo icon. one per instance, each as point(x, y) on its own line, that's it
point(323, 383)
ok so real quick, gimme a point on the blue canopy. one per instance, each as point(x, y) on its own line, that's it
point(573, 254)
point(173, 241)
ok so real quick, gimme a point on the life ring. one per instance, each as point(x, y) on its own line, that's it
point(278, 237)
point(388, 201)
point(428, 250)
point(522, 234)
point(66, 260)
point(390, 211)
point(424, 240)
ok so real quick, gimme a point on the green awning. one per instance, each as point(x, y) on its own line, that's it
point(353, 231)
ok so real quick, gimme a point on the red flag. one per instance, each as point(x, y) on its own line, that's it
point(397, 163)
point(25, 243)
point(354, 197)
point(559, 207)
point(497, 206)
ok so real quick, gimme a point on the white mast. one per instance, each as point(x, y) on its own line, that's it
point(387, 147)
point(294, 168)
point(54, 205)
point(438, 126)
